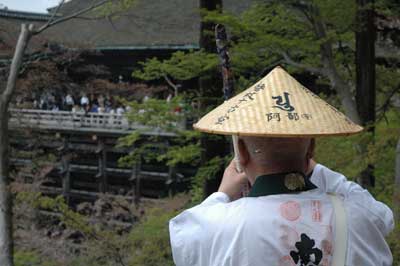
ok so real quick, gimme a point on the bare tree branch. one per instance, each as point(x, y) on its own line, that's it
point(73, 15)
point(174, 86)
point(17, 61)
point(386, 104)
point(54, 13)
point(330, 69)
point(287, 59)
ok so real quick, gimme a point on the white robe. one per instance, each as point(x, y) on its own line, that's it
point(262, 231)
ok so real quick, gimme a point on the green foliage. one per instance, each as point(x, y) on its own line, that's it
point(31, 258)
point(147, 243)
point(155, 114)
point(264, 32)
point(262, 35)
point(207, 171)
point(102, 245)
point(394, 244)
point(26, 258)
point(181, 66)
point(71, 219)
point(390, 8)
point(350, 162)
point(128, 140)
point(159, 114)
point(150, 240)
point(189, 154)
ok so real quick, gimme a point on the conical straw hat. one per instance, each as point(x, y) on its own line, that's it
point(277, 106)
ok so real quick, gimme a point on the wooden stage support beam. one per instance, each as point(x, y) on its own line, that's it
point(65, 170)
point(101, 152)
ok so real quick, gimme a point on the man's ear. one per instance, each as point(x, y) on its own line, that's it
point(244, 156)
point(311, 149)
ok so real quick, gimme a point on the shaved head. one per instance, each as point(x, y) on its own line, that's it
point(264, 154)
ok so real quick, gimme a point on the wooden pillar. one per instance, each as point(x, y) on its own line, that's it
point(102, 165)
point(65, 171)
point(171, 181)
point(135, 178)
point(396, 196)
point(66, 178)
point(137, 183)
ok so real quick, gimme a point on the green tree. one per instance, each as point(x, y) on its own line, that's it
point(316, 37)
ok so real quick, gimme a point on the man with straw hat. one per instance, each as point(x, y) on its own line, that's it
point(298, 212)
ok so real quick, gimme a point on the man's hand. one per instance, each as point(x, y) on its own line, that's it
point(232, 182)
point(311, 165)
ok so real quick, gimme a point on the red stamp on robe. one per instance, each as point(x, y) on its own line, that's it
point(327, 246)
point(286, 261)
point(325, 262)
point(290, 210)
point(316, 211)
point(288, 236)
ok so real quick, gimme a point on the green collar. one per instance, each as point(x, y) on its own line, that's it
point(281, 183)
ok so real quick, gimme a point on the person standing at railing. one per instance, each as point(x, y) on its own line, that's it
point(93, 100)
point(101, 109)
point(120, 110)
point(51, 100)
point(101, 100)
point(55, 108)
point(108, 103)
point(43, 102)
point(94, 108)
point(69, 102)
point(36, 104)
point(85, 102)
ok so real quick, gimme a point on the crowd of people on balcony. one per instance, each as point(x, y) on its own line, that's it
point(69, 102)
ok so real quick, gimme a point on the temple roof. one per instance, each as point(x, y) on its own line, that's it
point(155, 24)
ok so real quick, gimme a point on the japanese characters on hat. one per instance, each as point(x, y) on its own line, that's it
point(277, 106)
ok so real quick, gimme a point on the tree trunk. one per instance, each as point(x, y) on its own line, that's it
point(6, 240)
point(365, 77)
point(396, 200)
point(207, 41)
point(343, 90)
point(365, 63)
point(337, 82)
point(209, 85)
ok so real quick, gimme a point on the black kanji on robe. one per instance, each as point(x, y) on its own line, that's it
point(307, 254)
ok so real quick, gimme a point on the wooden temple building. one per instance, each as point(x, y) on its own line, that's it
point(86, 156)
point(147, 29)
point(85, 146)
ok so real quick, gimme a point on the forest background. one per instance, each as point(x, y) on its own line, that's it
point(316, 41)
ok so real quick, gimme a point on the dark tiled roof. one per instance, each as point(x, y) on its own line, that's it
point(157, 24)
point(23, 15)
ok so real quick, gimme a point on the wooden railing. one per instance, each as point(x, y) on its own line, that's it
point(78, 121)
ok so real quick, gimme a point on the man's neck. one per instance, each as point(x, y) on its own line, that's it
point(276, 168)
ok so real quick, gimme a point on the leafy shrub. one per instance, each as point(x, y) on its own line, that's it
point(150, 240)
